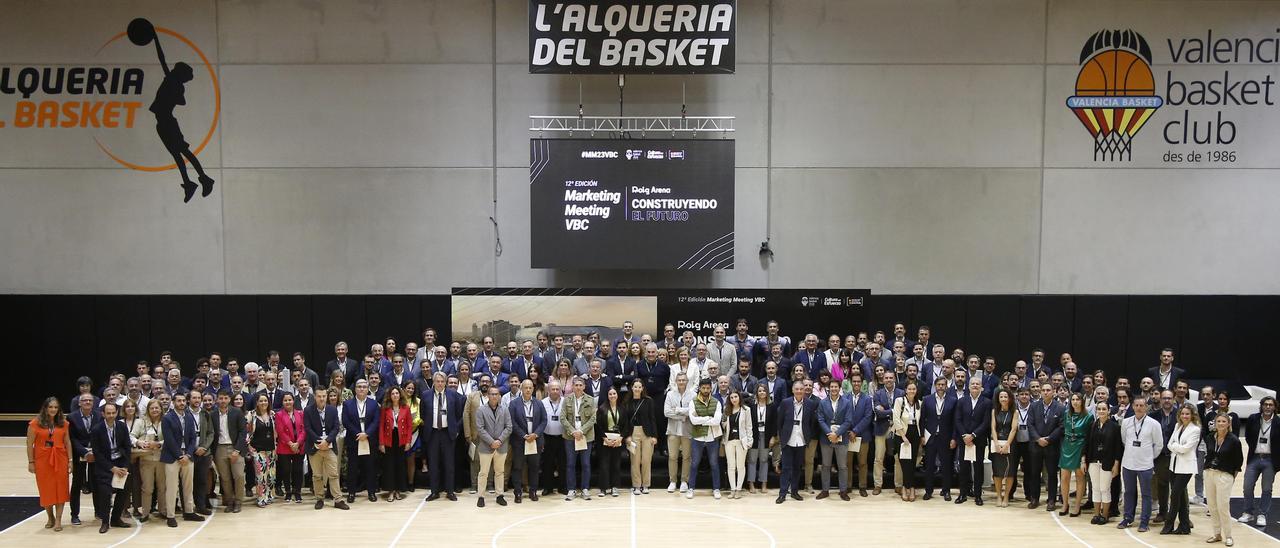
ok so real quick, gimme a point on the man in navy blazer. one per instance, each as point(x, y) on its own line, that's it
point(797, 425)
point(937, 419)
point(177, 452)
point(882, 422)
point(973, 426)
point(441, 425)
point(1045, 426)
point(322, 424)
point(859, 429)
point(834, 421)
point(528, 424)
point(110, 441)
point(81, 422)
point(812, 358)
point(361, 418)
point(596, 383)
point(527, 360)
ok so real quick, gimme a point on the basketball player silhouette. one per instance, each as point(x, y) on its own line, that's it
point(171, 93)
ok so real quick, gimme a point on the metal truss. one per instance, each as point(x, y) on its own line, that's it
point(590, 125)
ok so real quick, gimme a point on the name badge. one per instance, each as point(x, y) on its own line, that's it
point(796, 422)
point(115, 455)
point(555, 417)
point(1137, 443)
point(1262, 440)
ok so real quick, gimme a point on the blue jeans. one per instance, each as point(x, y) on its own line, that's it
point(1135, 481)
point(1258, 465)
point(576, 459)
point(713, 456)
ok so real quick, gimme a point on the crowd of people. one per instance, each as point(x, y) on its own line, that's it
point(537, 417)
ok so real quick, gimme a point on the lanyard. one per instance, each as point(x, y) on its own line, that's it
point(1137, 423)
point(323, 430)
point(1022, 415)
point(111, 437)
point(1264, 433)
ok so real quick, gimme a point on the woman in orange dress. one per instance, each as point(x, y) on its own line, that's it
point(48, 443)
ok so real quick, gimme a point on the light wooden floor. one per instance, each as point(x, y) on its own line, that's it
point(658, 519)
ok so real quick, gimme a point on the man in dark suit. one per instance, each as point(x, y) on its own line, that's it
point(812, 358)
point(834, 421)
point(360, 417)
point(110, 441)
point(321, 422)
point(275, 396)
point(797, 425)
point(341, 362)
point(527, 360)
point(937, 421)
point(441, 423)
point(81, 422)
point(597, 383)
point(1045, 425)
point(973, 426)
point(1165, 374)
point(528, 424)
point(859, 433)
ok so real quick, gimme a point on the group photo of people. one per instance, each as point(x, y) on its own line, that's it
point(730, 416)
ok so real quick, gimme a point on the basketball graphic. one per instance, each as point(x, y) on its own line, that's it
point(1115, 91)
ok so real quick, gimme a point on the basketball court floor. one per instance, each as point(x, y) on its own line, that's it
point(657, 519)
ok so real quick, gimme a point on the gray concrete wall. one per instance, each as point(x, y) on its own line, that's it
point(917, 146)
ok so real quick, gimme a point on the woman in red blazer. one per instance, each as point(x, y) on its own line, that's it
point(395, 433)
point(291, 447)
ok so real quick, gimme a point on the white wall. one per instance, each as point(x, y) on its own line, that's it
point(908, 146)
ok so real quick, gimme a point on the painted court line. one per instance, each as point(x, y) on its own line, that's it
point(405, 527)
point(137, 528)
point(1069, 532)
point(1239, 525)
point(193, 534)
point(14, 526)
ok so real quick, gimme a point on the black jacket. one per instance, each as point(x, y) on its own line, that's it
point(639, 413)
point(1103, 444)
point(1253, 429)
point(1228, 459)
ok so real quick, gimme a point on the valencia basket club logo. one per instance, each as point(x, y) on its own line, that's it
point(1115, 91)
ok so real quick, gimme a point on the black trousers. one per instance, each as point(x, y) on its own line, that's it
point(289, 474)
point(200, 480)
point(103, 506)
point(554, 467)
point(394, 466)
point(792, 468)
point(441, 453)
point(1178, 503)
point(938, 459)
point(610, 467)
point(362, 471)
point(972, 474)
point(1046, 459)
point(79, 476)
point(1163, 478)
point(1019, 457)
point(529, 463)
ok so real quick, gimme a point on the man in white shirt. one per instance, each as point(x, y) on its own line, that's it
point(553, 463)
point(1143, 441)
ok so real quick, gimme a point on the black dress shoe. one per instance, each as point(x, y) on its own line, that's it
point(533, 496)
point(844, 495)
point(546, 492)
point(781, 499)
point(121, 524)
point(519, 497)
point(796, 496)
point(946, 496)
point(1050, 507)
point(373, 497)
point(451, 496)
point(105, 527)
point(1033, 505)
point(192, 517)
point(435, 495)
point(962, 499)
point(351, 498)
point(927, 496)
point(501, 501)
point(171, 522)
point(977, 501)
point(204, 511)
point(319, 504)
point(823, 494)
point(341, 505)
point(480, 502)
point(1166, 530)
point(862, 492)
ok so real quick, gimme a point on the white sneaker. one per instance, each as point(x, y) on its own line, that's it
point(586, 495)
point(688, 494)
point(715, 493)
point(684, 486)
point(635, 490)
point(671, 487)
point(571, 494)
point(614, 492)
point(1262, 521)
point(1245, 518)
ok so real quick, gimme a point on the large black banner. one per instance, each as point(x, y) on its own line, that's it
point(522, 313)
point(632, 37)
point(636, 204)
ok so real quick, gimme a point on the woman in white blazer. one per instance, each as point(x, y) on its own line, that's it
point(690, 370)
point(906, 425)
point(737, 439)
point(1182, 462)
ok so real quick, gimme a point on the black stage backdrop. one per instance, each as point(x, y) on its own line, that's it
point(49, 340)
